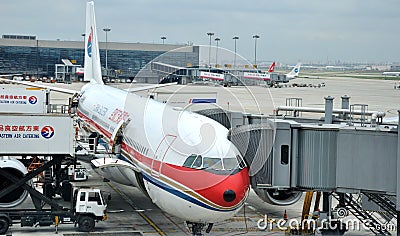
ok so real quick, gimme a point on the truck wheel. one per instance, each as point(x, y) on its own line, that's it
point(86, 223)
point(4, 224)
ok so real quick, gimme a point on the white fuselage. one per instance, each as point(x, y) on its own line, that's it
point(157, 141)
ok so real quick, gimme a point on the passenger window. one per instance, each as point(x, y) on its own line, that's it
point(284, 154)
point(189, 161)
point(198, 162)
point(82, 197)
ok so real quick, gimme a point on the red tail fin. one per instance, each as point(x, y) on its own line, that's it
point(272, 67)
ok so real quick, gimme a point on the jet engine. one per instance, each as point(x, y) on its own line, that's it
point(278, 197)
point(12, 167)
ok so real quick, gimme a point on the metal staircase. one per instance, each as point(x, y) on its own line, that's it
point(368, 219)
point(384, 202)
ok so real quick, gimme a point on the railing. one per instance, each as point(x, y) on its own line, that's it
point(353, 205)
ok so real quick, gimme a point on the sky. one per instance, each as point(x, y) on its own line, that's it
point(317, 31)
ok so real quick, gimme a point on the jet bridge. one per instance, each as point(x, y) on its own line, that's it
point(349, 154)
point(324, 157)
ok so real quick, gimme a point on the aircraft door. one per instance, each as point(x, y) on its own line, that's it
point(162, 149)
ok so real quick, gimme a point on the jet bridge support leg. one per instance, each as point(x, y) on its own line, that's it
point(326, 202)
point(398, 223)
point(342, 201)
point(398, 177)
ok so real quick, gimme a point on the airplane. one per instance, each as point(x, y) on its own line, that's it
point(11, 76)
point(294, 73)
point(271, 68)
point(391, 73)
point(181, 160)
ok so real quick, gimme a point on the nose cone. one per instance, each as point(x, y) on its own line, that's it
point(230, 191)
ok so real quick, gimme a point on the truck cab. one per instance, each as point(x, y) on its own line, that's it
point(90, 201)
point(89, 207)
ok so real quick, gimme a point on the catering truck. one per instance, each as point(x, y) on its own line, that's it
point(38, 149)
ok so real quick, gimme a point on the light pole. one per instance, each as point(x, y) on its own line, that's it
point(234, 60)
point(216, 53)
point(255, 37)
point(107, 30)
point(209, 50)
point(163, 38)
point(83, 36)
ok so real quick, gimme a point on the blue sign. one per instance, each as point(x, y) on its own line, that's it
point(203, 100)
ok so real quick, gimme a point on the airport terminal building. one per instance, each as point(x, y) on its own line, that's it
point(30, 56)
point(64, 60)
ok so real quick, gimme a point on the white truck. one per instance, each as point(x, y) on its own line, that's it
point(88, 207)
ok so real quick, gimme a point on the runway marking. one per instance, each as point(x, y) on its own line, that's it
point(138, 210)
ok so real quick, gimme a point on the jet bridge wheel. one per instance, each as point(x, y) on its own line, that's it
point(4, 224)
point(86, 223)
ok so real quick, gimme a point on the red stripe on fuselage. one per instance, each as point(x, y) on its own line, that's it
point(210, 186)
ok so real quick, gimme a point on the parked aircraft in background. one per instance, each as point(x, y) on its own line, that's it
point(391, 73)
point(294, 73)
point(271, 68)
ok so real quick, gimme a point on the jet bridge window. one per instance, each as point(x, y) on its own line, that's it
point(284, 154)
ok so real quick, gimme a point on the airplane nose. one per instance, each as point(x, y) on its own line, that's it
point(229, 195)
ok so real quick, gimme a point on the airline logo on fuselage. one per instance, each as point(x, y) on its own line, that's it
point(296, 70)
point(89, 44)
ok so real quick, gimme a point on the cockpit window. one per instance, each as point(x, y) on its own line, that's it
point(241, 162)
point(230, 163)
point(214, 163)
point(198, 162)
point(189, 161)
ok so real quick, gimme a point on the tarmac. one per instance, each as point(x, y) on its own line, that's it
point(130, 212)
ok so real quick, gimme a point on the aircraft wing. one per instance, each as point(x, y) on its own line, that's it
point(52, 88)
point(153, 86)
